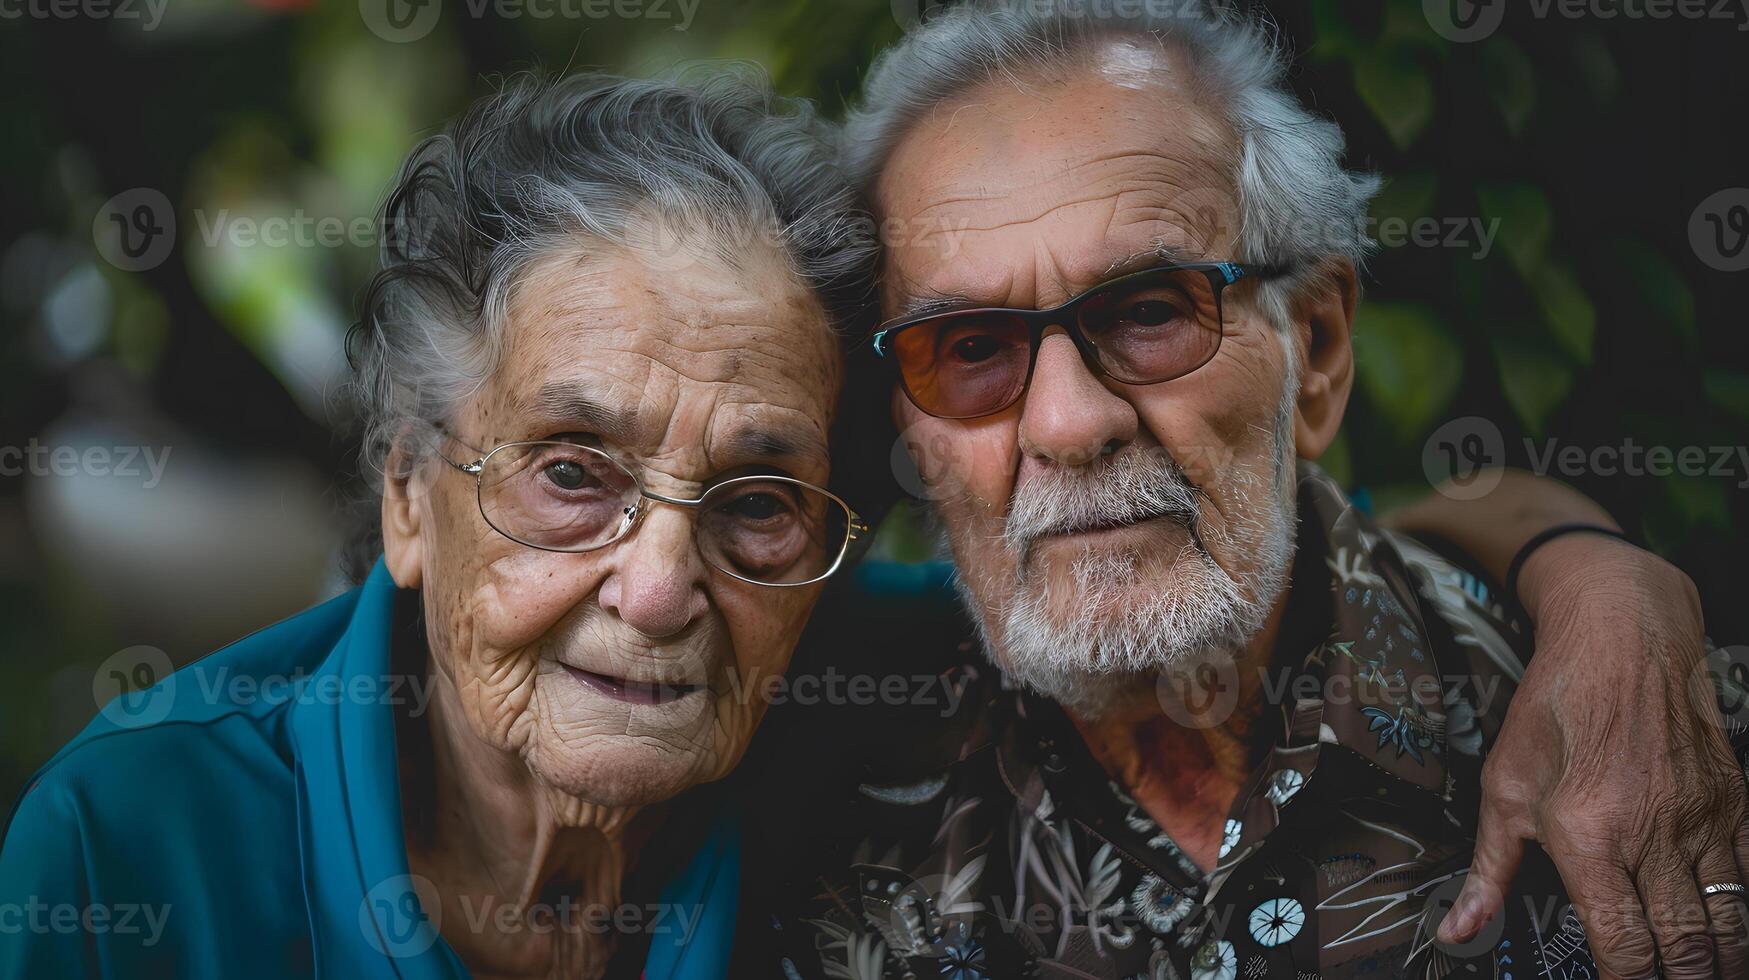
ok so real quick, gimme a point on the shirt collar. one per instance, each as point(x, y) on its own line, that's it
point(363, 901)
point(370, 915)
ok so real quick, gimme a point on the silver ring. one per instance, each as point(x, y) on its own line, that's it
point(1724, 888)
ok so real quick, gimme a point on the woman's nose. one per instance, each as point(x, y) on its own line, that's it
point(657, 583)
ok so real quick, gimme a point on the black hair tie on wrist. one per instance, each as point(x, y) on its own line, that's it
point(1544, 537)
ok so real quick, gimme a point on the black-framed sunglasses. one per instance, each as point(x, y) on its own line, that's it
point(563, 496)
point(1142, 328)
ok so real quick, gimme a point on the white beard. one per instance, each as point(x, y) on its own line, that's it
point(1127, 614)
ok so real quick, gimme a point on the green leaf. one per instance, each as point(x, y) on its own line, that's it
point(1525, 219)
point(1659, 285)
point(1333, 37)
point(1407, 24)
point(1338, 461)
point(1728, 390)
point(1397, 91)
point(1698, 502)
point(1535, 383)
point(1511, 81)
point(1406, 197)
point(904, 535)
point(1568, 311)
point(1596, 68)
point(1408, 363)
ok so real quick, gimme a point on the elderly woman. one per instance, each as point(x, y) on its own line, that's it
point(600, 369)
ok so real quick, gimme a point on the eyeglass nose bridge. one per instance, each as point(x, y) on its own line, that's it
point(1067, 321)
point(633, 515)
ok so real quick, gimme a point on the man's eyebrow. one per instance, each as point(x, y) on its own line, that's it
point(1153, 255)
point(567, 402)
point(914, 307)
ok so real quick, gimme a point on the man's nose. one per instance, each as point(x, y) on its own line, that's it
point(657, 583)
point(1070, 417)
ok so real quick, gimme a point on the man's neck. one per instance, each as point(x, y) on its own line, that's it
point(1187, 777)
point(520, 866)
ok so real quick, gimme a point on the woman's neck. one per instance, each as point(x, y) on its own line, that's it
point(529, 877)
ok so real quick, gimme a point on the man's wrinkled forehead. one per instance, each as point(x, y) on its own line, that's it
point(1060, 178)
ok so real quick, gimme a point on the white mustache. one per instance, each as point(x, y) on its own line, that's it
point(1135, 486)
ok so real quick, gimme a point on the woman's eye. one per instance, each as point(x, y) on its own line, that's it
point(568, 474)
point(757, 506)
point(978, 347)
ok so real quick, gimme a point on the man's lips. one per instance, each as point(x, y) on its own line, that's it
point(630, 691)
point(1107, 527)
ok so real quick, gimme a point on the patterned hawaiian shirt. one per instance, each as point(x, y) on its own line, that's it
point(1022, 858)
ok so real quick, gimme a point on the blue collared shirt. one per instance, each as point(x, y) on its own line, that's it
point(192, 832)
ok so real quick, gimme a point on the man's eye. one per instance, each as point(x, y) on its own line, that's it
point(978, 347)
point(1150, 313)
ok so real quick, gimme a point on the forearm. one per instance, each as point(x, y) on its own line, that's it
point(1493, 527)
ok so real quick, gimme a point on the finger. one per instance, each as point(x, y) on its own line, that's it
point(1492, 868)
point(1727, 914)
point(1615, 923)
point(1679, 923)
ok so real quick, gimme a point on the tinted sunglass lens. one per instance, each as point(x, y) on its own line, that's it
point(964, 365)
point(1154, 328)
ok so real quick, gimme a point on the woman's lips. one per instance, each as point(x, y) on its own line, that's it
point(629, 691)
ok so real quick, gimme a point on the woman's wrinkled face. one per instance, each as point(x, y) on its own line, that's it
point(625, 674)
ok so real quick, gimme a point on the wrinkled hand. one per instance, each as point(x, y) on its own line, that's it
point(1609, 760)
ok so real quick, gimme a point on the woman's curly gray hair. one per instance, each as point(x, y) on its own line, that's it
point(709, 158)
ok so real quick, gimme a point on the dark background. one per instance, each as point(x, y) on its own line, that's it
point(1604, 310)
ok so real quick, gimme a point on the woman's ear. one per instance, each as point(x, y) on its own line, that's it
point(403, 544)
point(1324, 330)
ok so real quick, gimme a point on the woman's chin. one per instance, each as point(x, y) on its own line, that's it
point(630, 770)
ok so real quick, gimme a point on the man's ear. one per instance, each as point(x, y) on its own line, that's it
point(403, 545)
point(1324, 324)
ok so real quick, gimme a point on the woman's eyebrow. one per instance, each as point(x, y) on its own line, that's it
point(762, 443)
point(570, 402)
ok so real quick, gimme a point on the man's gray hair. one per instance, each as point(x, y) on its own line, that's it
point(1297, 205)
point(709, 160)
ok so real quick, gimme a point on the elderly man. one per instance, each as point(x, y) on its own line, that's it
point(1248, 729)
